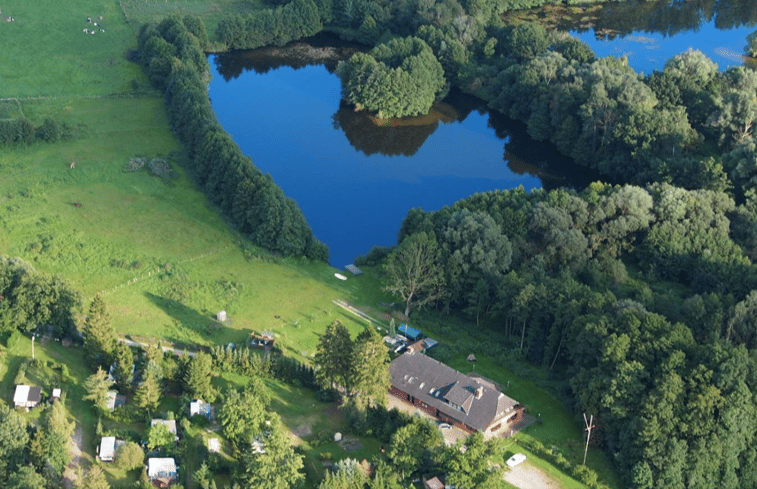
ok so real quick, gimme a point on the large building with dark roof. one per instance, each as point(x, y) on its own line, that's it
point(471, 403)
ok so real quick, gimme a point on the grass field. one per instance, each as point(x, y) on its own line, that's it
point(163, 259)
point(46, 53)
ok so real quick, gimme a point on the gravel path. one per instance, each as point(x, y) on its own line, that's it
point(70, 476)
point(526, 476)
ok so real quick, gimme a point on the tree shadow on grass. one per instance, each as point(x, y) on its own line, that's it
point(192, 322)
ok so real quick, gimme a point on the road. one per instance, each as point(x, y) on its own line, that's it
point(165, 348)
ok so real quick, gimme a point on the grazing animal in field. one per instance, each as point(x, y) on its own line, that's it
point(73, 165)
point(93, 31)
point(101, 17)
point(102, 30)
point(76, 204)
point(89, 19)
point(95, 24)
point(85, 30)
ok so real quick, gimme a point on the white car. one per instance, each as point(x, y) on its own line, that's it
point(515, 459)
point(445, 426)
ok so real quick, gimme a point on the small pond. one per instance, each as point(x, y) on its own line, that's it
point(355, 178)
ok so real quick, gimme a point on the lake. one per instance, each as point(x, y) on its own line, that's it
point(355, 179)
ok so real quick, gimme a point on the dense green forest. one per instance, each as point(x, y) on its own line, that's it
point(640, 297)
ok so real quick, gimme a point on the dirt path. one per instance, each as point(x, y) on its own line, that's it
point(70, 475)
point(526, 476)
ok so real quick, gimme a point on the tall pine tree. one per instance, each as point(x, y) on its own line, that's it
point(197, 378)
point(99, 335)
point(369, 382)
point(149, 392)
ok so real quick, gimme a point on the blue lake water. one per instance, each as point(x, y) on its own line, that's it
point(651, 32)
point(648, 51)
point(290, 121)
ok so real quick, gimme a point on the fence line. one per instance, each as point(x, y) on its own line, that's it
point(157, 270)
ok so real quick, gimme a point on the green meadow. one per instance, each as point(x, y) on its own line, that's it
point(162, 258)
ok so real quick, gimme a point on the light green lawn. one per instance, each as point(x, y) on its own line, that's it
point(46, 53)
point(162, 257)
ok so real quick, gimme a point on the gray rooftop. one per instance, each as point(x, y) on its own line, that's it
point(477, 404)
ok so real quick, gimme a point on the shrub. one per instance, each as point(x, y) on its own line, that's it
point(130, 456)
point(49, 131)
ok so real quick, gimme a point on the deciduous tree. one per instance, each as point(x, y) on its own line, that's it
point(158, 437)
point(413, 271)
point(130, 456)
point(333, 358)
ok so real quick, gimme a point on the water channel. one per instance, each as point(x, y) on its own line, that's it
point(355, 178)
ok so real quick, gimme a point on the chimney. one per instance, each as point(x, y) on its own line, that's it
point(479, 391)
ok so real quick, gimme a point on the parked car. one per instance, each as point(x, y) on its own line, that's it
point(515, 459)
point(445, 426)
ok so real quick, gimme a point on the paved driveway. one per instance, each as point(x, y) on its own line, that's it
point(526, 476)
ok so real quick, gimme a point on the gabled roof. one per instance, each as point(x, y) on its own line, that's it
point(460, 396)
point(199, 407)
point(114, 399)
point(24, 394)
point(107, 448)
point(170, 424)
point(35, 394)
point(409, 331)
point(21, 394)
point(433, 483)
point(161, 467)
point(475, 403)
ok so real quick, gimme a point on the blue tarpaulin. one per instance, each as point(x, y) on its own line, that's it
point(409, 332)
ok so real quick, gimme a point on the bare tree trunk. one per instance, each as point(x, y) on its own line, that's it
point(523, 334)
point(407, 305)
point(562, 338)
